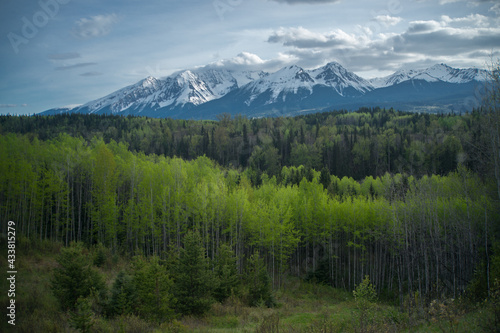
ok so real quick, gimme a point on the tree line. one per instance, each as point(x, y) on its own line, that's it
point(368, 142)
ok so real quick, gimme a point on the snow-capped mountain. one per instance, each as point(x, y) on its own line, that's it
point(291, 79)
point(436, 73)
point(204, 92)
point(185, 89)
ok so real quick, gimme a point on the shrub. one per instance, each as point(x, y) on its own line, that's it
point(365, 295)
point(270, 324)
point(365, 291)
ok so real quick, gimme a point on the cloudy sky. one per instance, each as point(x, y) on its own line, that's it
point(63, 52)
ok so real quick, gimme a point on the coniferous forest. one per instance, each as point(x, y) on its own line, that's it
point(178, 225)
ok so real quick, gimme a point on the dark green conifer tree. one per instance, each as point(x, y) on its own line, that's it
point(153, 287)
point(226, 272)
point(123, 295)
point(259, 282)
point(75, 277)
point(194, 282)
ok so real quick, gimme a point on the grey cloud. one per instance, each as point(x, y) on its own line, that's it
point(475, 20)
point(63, 56)
point(12, 105)
point(356, 52)
point(485, 54)
point(91, 74)
point(470, 2)
point(423, 42)
point(83, 64)
point(495, 8)
point(95, 26)
point(387, 20)
point(308, 2)
point(423, 26)
point(447, 42)
point(364, 59)
point(250, 61)
point(303, 38)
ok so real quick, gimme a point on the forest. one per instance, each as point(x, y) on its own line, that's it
point(400, 205)
point(367, 142)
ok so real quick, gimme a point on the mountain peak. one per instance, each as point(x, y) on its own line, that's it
point(150, 81)
point(333, 64)
point(286, 75)
point(441, 65)
point(336, 76)
point(291, 70)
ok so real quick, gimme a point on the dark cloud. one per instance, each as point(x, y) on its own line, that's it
point(83, 64)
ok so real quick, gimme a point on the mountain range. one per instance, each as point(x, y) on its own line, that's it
point(205, 92)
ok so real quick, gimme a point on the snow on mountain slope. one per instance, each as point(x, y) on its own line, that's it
point(436, 73)
point(335, 76)
point(245, 77)
point(393, 79)
point(291, 79)
point(287, 80)
point(193, 87)
point(139, 93)
point(188, 87)
point(448, 74)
